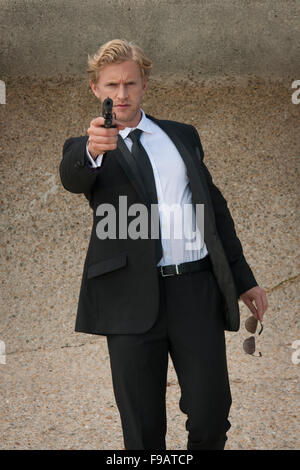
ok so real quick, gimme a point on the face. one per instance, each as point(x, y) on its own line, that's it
point(122, 83)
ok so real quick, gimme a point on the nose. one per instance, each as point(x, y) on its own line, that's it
point(122, 91)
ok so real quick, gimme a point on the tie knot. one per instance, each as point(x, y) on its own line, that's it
point(135, 135)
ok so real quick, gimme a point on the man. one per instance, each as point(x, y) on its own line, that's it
point(151, 296)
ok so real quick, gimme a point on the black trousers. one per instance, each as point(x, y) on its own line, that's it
point(190, 328)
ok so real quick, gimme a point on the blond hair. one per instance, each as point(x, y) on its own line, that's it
point(117, 51)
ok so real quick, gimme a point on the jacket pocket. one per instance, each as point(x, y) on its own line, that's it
point(107, 265)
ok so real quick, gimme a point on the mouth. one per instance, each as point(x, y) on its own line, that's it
point(121, 106)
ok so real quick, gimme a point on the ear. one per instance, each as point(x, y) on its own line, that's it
point(145, 85)
point(94, 89)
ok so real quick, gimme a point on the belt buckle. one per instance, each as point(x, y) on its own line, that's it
point(177, 269)
point(172, 274)
point(165, 275)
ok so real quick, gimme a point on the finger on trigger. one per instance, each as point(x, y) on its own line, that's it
point(100, 139)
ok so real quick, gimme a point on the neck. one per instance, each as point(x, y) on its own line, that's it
point(134, 122)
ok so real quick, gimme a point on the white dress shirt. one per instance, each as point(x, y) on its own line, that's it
point(172, 187)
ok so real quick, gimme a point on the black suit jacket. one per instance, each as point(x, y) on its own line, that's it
point(119, 289)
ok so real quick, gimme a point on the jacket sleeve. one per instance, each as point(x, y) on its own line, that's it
point(76, 174)
point(241, 271)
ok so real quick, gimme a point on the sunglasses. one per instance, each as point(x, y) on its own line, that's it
point(249, 343)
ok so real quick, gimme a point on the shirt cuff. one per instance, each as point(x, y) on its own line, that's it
point(94, 163)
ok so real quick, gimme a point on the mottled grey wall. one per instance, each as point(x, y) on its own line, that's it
point(208, 37)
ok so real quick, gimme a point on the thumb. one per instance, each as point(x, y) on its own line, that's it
point(251, 306)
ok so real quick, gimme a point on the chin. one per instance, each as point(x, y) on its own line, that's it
point(127, 115)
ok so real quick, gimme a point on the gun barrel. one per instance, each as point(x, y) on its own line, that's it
point(107, 112)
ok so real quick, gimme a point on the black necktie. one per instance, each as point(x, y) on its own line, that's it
point(145, 168)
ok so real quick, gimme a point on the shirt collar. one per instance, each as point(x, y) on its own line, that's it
point(144, 125)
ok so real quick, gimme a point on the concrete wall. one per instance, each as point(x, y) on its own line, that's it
point(209, 37)
point(55, 387)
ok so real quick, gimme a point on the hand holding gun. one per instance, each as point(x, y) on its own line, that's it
point(103, 131)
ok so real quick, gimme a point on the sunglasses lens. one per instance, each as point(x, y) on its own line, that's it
point(251, 324)
point(249, 345)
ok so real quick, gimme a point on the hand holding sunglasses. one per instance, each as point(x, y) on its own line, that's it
point(249, 343)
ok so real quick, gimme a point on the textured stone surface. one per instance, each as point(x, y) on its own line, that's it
point(201, 37)
point(56, 390)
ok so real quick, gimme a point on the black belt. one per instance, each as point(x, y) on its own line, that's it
point(172, 269)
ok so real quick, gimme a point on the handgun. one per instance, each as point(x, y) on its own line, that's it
point(107, 112)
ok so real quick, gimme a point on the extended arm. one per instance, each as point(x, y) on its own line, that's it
point(75, 173)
